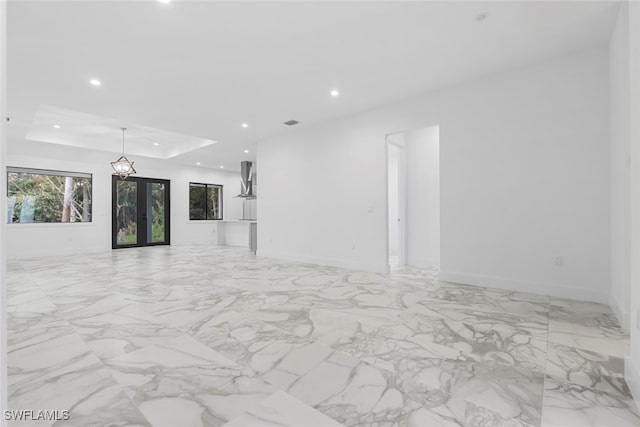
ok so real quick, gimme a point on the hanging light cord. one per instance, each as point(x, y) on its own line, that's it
point(123, 129)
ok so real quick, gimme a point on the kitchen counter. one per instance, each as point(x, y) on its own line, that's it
point(228, 233)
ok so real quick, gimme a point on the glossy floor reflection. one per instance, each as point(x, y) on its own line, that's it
point(213, 336)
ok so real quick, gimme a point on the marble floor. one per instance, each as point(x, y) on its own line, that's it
point(213, 336)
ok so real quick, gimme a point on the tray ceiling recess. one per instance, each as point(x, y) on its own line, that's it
point(58, 125)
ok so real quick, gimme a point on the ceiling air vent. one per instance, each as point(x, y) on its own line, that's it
point(291, 122)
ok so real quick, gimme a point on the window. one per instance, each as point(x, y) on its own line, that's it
point(36, 195)
point(205, 201)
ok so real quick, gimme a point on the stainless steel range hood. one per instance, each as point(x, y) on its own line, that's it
point(246, 180)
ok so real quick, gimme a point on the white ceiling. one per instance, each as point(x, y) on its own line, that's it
point(198, 70)
point(66, 127)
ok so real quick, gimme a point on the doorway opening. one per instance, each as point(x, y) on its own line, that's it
point(413, 196)
point(396, 185)
point(140, 212)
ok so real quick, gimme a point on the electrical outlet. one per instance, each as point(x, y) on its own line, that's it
point(559, 261)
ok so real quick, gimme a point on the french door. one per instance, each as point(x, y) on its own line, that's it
point(140, 212)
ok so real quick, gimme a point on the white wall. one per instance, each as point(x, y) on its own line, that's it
point(394, 198)
point(619, 139)
point(423, 197)
point(27, 240)
point(3, 206)
point(632, 366)
point(524, 160)
point(323, 195)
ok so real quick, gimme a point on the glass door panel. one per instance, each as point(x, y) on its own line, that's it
point(140, 212)
point(126, 213)
point(155, 210)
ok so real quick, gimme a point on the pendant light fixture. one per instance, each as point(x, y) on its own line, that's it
point(123, 167)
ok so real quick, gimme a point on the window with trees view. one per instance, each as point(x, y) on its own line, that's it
point(205, 201)
point(36, 195)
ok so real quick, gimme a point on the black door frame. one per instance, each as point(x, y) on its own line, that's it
point(141, 211)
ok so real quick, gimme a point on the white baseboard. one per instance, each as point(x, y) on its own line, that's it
point(61, 251)
point(550, 289)
point(632, 377)
point(332, 262)
point(621, 313)
point(207, 242)
point(430, 263)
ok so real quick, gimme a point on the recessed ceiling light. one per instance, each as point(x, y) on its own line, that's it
point(56, 126)
point(198, 164)
point(221, 166)
point(95, 82)
point(482, 16)
point(164, 1)
point(334, 93)
point(244, 125)
point(156, 143)
point(246, 151)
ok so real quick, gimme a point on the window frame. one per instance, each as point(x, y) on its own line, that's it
point(206, 186)
point(48, 172)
